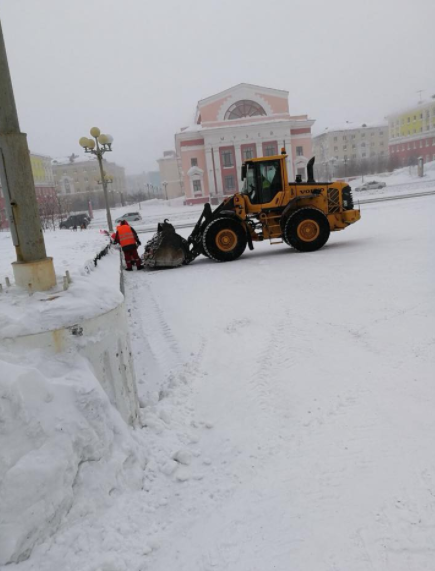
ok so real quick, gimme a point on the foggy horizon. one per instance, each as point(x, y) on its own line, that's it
point(137, 70)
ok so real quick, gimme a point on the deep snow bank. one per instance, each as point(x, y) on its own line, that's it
point(64, 450)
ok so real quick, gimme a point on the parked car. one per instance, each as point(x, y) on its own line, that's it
point(370, 185)
point(75, 220)
point(129, 217)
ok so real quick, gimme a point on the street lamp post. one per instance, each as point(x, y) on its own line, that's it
point(99, 145)
point(165, 184)
point(108, 179)
point(33, 269)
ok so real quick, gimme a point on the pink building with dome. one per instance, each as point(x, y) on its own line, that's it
point(243, 122)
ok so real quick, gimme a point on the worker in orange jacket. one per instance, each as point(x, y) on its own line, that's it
point(128, 239)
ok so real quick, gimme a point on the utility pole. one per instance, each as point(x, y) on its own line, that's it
point(32, 269)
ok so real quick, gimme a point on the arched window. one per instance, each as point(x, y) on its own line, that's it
point(244, 108)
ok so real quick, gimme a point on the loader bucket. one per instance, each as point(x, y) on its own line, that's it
point(166, 249)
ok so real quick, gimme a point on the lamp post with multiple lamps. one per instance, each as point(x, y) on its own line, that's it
point(99, 145)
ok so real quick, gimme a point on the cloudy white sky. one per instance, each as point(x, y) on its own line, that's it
point(136, 68)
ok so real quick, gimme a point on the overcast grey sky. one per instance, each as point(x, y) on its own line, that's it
point(136, 68)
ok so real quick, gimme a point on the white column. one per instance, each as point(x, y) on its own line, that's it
point(217, 167)
point(238, 153)
point(259, 150)
point(289, 160)
point(210, 172)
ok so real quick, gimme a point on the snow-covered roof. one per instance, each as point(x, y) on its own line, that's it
point(352, 127)
point(77, 159)
point(412, 107)
point(190, 128)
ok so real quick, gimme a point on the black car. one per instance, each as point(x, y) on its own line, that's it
point(75, 220)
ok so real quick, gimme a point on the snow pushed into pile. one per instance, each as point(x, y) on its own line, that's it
point(94, 289)
point(64, 450)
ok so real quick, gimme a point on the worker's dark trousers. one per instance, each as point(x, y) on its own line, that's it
point(131, 256)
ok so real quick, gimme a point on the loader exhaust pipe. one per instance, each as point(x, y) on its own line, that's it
point(310, 170)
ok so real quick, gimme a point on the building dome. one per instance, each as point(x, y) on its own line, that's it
point(244, 108)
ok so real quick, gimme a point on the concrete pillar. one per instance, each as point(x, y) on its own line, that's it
point(32, 265)
point(289, 160)
point(210, 172)
point(217, 168)
point(238, 158)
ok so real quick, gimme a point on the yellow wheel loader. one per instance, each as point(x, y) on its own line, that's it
point(302, 214)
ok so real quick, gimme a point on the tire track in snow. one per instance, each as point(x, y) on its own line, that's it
point(273, 368)
point(155, 349)
point(163, 324)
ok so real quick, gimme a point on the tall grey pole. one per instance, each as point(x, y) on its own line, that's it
point(104, 182)
point(19, 191)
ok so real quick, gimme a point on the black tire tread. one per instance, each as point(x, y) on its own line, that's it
point(321, 216)
point(204, 238)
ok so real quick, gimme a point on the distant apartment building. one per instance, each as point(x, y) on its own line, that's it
point(170, 175)
point(342, 151)
point(45, 187)
point(240, 123)
point(412, 134)
point(79, 178)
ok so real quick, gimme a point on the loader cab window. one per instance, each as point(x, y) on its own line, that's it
point(250, 184)
point(262, 182)
point(270, 177)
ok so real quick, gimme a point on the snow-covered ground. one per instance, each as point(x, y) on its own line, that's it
point(152, 212)
point(315, 374)
point(93, 291)
point(406, 175)
point(400, 181)
point(287, 403)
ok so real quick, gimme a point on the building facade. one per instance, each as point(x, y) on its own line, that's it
point(243, 122)
point(412, 134)
point(75, 174)
point(45, 187)
point(342, 151)
point(170, 175)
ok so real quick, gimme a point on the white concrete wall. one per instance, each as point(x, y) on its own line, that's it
point(104, 340)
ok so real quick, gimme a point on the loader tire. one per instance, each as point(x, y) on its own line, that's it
point(307, 230)
point(224, 240)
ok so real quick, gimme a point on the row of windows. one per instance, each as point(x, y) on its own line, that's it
point(372, 134)
point(229, 184)
point(363, 155)
point(427, 114)
point(363, 144)
point(409, 146)
point(412, 131)
point(248, 153)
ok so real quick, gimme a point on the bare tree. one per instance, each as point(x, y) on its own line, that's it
point(48, 212)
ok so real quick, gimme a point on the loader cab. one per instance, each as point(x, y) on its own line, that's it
point(262, 180)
